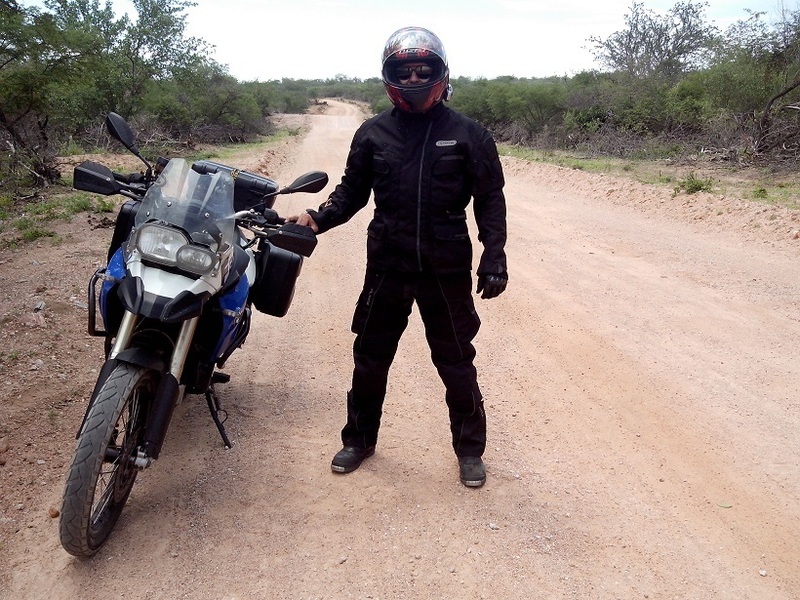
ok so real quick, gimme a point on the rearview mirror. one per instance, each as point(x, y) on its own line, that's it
point(311, 182)
point(120, 130)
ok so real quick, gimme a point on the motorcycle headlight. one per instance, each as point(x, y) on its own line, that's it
point(172, 248)
point(161, 244)
point(196, 259)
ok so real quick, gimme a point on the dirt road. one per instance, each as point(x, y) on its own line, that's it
point(641, 386)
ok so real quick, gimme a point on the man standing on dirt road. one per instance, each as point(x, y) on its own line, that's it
point(424, 163)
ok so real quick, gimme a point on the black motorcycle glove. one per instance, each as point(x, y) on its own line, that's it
point(491, 285)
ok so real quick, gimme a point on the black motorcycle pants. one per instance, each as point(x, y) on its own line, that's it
point(448, 313)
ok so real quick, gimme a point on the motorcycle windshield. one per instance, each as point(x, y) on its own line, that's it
point(201, 205)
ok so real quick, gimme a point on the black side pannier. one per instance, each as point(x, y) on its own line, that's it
point(276, 274)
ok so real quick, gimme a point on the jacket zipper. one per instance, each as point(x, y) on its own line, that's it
point(419, 196)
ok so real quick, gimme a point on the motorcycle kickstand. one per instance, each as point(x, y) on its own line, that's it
point(215, 408)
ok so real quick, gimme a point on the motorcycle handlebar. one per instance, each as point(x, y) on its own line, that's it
point(287, 235)
point(129, 179)
point(266, 217)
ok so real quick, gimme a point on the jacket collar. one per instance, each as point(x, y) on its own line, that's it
point(430, 115)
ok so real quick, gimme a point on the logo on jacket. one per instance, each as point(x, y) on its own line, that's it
point(446, 143)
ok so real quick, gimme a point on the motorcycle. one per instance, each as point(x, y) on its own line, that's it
point(195, 248)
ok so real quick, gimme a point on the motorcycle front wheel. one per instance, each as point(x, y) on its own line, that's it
point(104, 467)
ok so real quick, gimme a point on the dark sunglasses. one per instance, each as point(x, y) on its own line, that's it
point(422, 71)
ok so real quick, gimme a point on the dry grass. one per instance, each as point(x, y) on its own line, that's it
point(774, 184)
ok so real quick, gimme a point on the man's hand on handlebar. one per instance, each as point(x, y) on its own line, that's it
point(304, 219)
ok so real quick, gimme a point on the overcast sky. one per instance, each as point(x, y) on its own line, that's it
point(320, 39)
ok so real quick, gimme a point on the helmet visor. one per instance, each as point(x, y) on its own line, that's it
point(420, 72)
point(403, 73)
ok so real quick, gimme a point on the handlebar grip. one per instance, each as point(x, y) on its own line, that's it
point(128, 179)
point(272, 217)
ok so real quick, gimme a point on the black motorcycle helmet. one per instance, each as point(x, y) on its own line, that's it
point(420, 47)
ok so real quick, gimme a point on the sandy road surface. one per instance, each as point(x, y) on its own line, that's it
point(641, 386)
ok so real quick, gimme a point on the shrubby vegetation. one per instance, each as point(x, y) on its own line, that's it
point(671, 84)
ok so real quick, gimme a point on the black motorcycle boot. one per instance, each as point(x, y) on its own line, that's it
point(472, 471)
point(350, 458)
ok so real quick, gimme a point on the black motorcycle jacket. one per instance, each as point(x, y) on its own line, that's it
point(423, 169)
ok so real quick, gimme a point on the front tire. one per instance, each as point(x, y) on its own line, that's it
point(103, 470)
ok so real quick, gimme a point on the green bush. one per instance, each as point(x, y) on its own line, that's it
point(692, 184)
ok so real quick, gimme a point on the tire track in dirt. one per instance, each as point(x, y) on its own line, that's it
point(642, 399)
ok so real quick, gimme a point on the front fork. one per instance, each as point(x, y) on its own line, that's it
point(124, 334)
point(169, 391)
